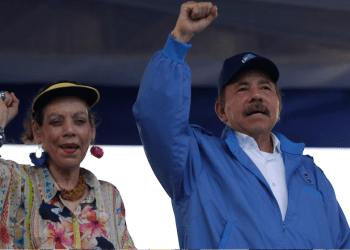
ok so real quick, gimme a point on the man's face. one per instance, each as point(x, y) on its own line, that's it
point(251, 104)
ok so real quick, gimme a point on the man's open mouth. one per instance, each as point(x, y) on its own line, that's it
point(256, 108)
point(257, 112)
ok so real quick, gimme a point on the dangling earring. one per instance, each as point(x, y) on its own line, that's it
point(38, 161)
point(96, 151)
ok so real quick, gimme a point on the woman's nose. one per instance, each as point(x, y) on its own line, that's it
point(68, 128)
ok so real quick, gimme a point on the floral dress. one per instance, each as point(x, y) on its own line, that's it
point(33, 214)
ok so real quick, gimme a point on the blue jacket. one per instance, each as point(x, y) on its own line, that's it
point(220, 198)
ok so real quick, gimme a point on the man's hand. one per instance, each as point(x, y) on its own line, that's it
point(194, 17)
point(8, 108)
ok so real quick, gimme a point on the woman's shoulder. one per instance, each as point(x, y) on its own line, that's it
point(9, 164)
point(110, 188)
point(92, 181)
point(106, 184)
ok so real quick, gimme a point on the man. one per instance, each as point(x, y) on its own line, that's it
point(250, 189)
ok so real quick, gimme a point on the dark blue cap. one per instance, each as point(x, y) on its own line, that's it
point(236, 64)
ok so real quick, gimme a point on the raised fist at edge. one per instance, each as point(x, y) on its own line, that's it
point(193, 18)
point(8, 108)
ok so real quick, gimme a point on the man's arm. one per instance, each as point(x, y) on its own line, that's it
point(163, 103)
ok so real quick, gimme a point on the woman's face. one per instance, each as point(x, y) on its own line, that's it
point(66, 132)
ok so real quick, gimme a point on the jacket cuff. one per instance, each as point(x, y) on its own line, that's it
point(175, 50)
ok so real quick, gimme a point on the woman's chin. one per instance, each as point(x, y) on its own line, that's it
point(67, 163)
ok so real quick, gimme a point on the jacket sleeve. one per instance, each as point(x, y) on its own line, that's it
point(162, 112)
point(339, 227)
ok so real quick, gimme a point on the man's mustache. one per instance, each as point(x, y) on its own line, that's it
point(256, 107)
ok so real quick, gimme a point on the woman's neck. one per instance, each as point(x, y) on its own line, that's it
point(66, 178)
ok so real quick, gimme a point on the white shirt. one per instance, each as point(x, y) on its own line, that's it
point(270, 165)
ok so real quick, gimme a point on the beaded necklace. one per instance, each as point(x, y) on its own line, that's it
point(77, 192)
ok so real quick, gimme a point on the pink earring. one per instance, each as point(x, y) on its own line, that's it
point(96, 151)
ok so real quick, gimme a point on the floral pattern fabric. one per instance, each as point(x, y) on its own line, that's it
point(33, 215)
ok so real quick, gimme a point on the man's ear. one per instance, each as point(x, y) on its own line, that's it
point(279, 111)
point(220, 111)
point(37, 132)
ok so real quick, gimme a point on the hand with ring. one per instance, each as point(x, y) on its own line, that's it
point(8, 107)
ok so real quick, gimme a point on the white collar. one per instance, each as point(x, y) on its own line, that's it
point(246, 141)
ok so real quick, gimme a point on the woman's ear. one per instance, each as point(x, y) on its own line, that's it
point(37, 132)
point(92, 134)
point(220, 111)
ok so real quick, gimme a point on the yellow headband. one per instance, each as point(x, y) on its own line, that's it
point(89, 94)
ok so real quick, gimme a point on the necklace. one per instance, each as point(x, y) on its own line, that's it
point(77, 192)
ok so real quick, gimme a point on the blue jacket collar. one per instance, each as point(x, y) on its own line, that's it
point(287, 146)
point(291, 155)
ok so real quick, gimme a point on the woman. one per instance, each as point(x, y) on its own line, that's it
point(58, 204)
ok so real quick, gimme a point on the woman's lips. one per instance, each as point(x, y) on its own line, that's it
point(69, 145)
point(69, 148)
point(69, 151)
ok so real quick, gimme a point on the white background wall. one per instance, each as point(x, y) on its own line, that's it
point(149, 213)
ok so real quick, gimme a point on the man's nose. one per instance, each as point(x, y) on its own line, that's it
point(254, 94)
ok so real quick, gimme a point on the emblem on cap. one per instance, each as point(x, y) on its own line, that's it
point(247, 57)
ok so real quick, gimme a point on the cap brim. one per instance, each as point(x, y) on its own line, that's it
point(89, 94)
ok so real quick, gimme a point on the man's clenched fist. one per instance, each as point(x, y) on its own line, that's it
point(194, 17)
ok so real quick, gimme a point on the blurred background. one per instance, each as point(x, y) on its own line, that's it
point(108, 43)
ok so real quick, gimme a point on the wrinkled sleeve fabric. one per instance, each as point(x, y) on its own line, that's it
point(124, 238)
point(162, 112)
point(12, 181)
point(338, 225)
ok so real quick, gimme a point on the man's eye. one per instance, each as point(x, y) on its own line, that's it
point(54, 122)
point(242, 89)
point(267, 88)
point(81, 121)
